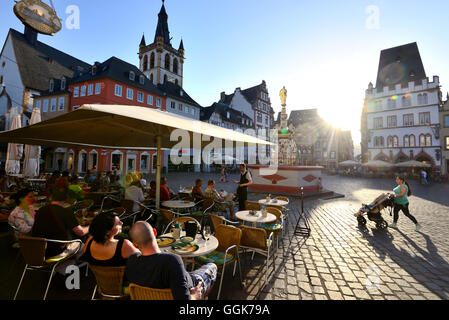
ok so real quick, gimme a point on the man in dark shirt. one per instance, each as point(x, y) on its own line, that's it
point(155, 269)
point(56, 222)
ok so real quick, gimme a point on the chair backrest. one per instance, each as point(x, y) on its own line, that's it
point(128, 205)
point(207, 203)
point(228, 236)
point(167, 215)
point(85, 204)
point(274, 211)
point(119, 211)
point(144, 293)
point(216, 220)
point(251, 205)
point(109, 279)
point(253, 238)
point(181, 220)
point(33, 250)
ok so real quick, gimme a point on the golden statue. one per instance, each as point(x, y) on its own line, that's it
point(283, 95)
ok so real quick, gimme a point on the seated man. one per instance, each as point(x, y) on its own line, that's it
point(58, 223)
point(75, 189)
point(220, 204)
point(152, 192)
point(197, 194)
point(159, 270)
point(165, 192)
point(134, 192)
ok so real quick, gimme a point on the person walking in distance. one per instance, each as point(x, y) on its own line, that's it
point(242, 190)
point(401, 192)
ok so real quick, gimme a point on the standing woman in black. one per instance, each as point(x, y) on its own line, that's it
point(242, 190)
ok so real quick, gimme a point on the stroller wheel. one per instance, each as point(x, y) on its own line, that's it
point(382, 225)
point(361, 221)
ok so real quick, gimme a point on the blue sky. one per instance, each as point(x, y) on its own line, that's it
point(321, 51)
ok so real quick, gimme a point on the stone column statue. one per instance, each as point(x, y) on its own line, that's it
point(283, 95)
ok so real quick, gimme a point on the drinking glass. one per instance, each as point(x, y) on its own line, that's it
point(207, 232)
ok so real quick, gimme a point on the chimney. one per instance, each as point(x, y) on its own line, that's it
point(30, 35)
point(222, 96)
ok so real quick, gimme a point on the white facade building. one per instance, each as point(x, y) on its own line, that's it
point(402, 113)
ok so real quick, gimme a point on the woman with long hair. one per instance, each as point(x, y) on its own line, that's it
point(102, 249)
point(401, 192)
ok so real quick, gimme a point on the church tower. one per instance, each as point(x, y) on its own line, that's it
point(159, 61)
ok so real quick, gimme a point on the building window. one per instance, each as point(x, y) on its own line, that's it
point(192, 111)
point(142, 79)
point(53, 105)
point(129, 94)
point(52, 85)
point(395, 142)
point(180, 107)
point(61, 104)
point(391, 121)
point(428, 140)
point(145, 63)
point(378, 123)
point(406, 141)
point(412, 140)
point(158, 103)
point(390, 141)
point(167, 61)
point(186, 109)
point(76, 92)
point(83, 91)
point(132, 76)
point(446, 121)
point(140, 97)
point(175, 66)
point(408, 120)
point(150, 100)
point(90, 90)
point(406, 101)
point(45, 106)
point(38, 104)
point(118, 90)
point(152, 60)
point(144, 162)
point(424, 118)
point(173, 105)
point(97, 88)
point(391, 104)
point(63, 84)
point(447, 143)
point(422, 140)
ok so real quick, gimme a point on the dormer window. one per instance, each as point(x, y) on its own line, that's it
point(63, 84)
point(132, 76)
point(398, 59)
point(94, 70)
point(142, 79)
point(228, 115)
point(52, 85)
point(412, 74)
point(181, 93)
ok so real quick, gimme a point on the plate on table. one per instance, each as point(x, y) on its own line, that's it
point(184, 248)
point(187, 239)
point(165, 241)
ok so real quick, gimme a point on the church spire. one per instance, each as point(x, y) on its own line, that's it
point(142, 42)
point(181, 46)
point(162, 26)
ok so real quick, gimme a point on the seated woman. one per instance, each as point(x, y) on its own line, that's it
point(220, 204)
point(75, 189)
point(152, 192)
point(197, 194)
point(22, 217)
point(102, 249)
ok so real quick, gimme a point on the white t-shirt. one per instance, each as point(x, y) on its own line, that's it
point(136, 194)
point(424, 174)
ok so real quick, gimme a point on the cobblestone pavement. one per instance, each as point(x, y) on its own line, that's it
point(339, 260)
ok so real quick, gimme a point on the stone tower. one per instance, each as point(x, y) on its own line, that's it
point(159, 61)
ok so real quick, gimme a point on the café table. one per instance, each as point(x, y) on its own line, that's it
point(178, 204)
point(257, 218)
point(273, 202)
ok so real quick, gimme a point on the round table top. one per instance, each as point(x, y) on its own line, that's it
point(280, 203)
point(185, 191)
point(178, 204)
point(245, 216)
point(204, 247)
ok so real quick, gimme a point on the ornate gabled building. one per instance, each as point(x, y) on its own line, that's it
point(159, 61)
point(400, 119)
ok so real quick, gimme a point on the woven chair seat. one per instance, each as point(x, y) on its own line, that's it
point(271, 227)
point(216, 257)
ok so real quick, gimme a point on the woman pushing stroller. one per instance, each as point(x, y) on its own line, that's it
point(401, 192)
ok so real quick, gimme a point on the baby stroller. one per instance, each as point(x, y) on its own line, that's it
point(374, 211)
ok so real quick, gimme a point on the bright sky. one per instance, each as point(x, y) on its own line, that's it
point(322, 51)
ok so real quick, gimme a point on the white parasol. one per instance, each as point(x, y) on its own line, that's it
point(32, 153)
